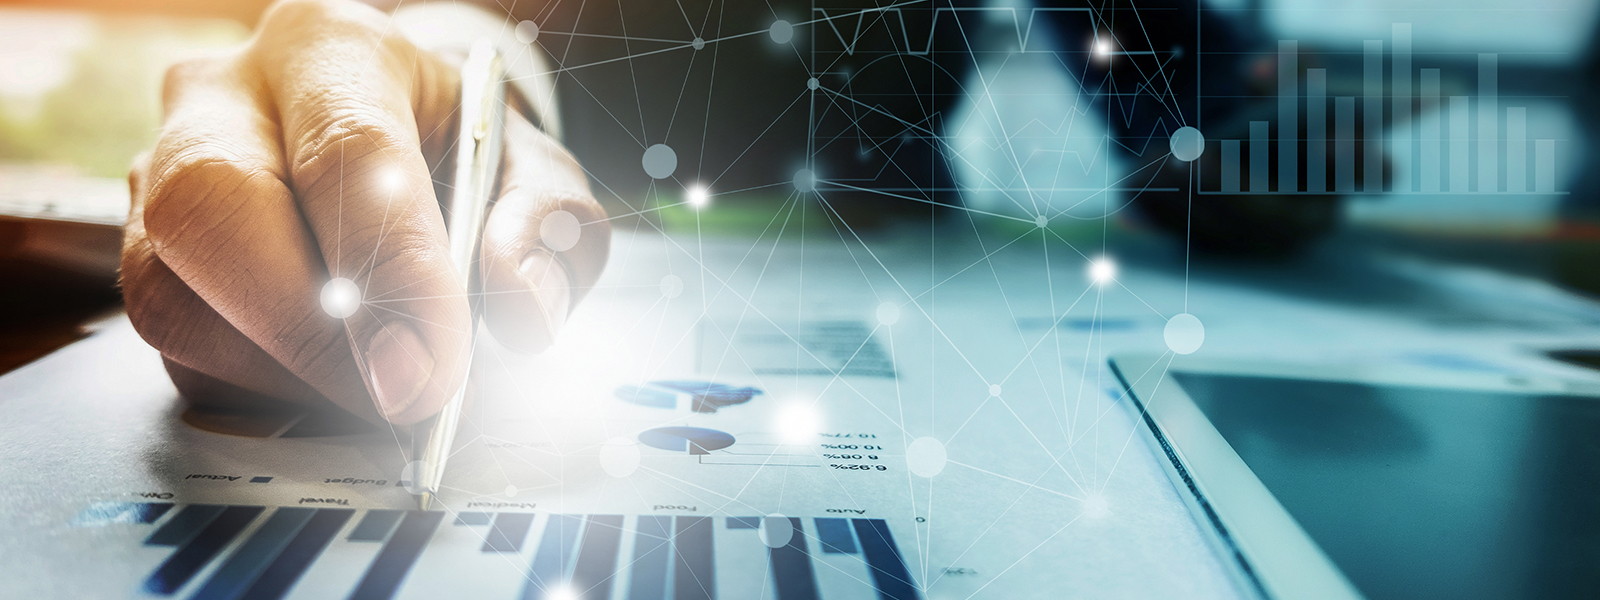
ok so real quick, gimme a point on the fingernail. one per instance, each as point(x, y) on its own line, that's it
point(398, 367)
point(550, 287)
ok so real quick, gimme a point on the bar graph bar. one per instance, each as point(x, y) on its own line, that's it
point(1400, 101)
point(1488, 123)
point(652, 547)
point(1407, 150)
point(597, 557)
point(1372, 116)
point(1316, 130)
point(193, 554)
point(577, 556)
point(889, 571)
point(791, 567)
point(1544, 166)
point(1344, 144)
point(295, 558)
point(184, 525)
point(1288, 116)
point(1516, 149)
point(507, 532)
point(554, 556)
point(1431, 140)
point(394, 561)
point(1230, 165)
point(246, 564)
point(376, 525)
point(835, 537)
point(1258, 156)
point(694, 571)
point(1458, 144)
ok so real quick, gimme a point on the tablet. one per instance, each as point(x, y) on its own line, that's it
point(1381, 482)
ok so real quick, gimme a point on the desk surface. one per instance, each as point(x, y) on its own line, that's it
point(972, 373)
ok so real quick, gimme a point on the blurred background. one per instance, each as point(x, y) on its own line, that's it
point(80, 89)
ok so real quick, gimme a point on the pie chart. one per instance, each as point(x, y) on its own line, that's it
point(694, 440)
point(705, 396)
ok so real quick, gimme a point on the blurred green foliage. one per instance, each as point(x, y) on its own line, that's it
point(109, 108)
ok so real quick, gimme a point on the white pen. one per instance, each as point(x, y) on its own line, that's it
point(478, 146)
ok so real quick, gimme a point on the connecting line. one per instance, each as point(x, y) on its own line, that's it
point(1007, 511)
point(679, 44)
point(630, 38)
point(751, 306)
point(1139, 419)
point(988, 93)
point(954, 346)
point(753, 142)
point(1053, 328)
point(908, 124)
point(926, 201)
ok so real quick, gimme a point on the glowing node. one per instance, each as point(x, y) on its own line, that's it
point(812, 83)
point(341, 298)
point(926, 457)
point(394, 179)
point(1184, 333)
point(805, 181)
point(527, 32)
point(1187, 144)
point(560, 231)
point(660, 161)
point(698, 196)
point(698, 44)
point(994, 390)
point(409, 475)
point(776, 530)
point(1041, 221)
point(781, 31)
point(1102, 270)
point(562, 593)
point(1095, 506)
point(511, 491)
point(619, 457)
point(1102, 47)
point(888, 313)
point(671, 286)
point(797, 423)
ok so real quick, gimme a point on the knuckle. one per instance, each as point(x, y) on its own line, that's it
point(185, 181)
point(179, 73)
point(181, 76)
point(340, 137)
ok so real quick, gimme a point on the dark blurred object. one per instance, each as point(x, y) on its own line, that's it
point(1588, 358)
point(60, 239)
point(43, 308)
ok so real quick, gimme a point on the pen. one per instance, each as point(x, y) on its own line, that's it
point(477, 161)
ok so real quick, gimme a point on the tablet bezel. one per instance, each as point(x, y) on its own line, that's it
point(1269, 553)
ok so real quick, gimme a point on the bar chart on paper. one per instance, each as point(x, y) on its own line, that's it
point(1386, 126)
point(258, 552)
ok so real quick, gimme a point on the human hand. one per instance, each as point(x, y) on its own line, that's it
point(309, 154)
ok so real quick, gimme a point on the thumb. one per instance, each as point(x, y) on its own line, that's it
point(545, 242)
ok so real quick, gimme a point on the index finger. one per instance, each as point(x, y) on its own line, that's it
point(356, 103)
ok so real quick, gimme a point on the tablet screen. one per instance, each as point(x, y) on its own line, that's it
point(1424, 492)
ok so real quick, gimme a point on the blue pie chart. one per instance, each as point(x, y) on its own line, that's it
point(694, 440)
